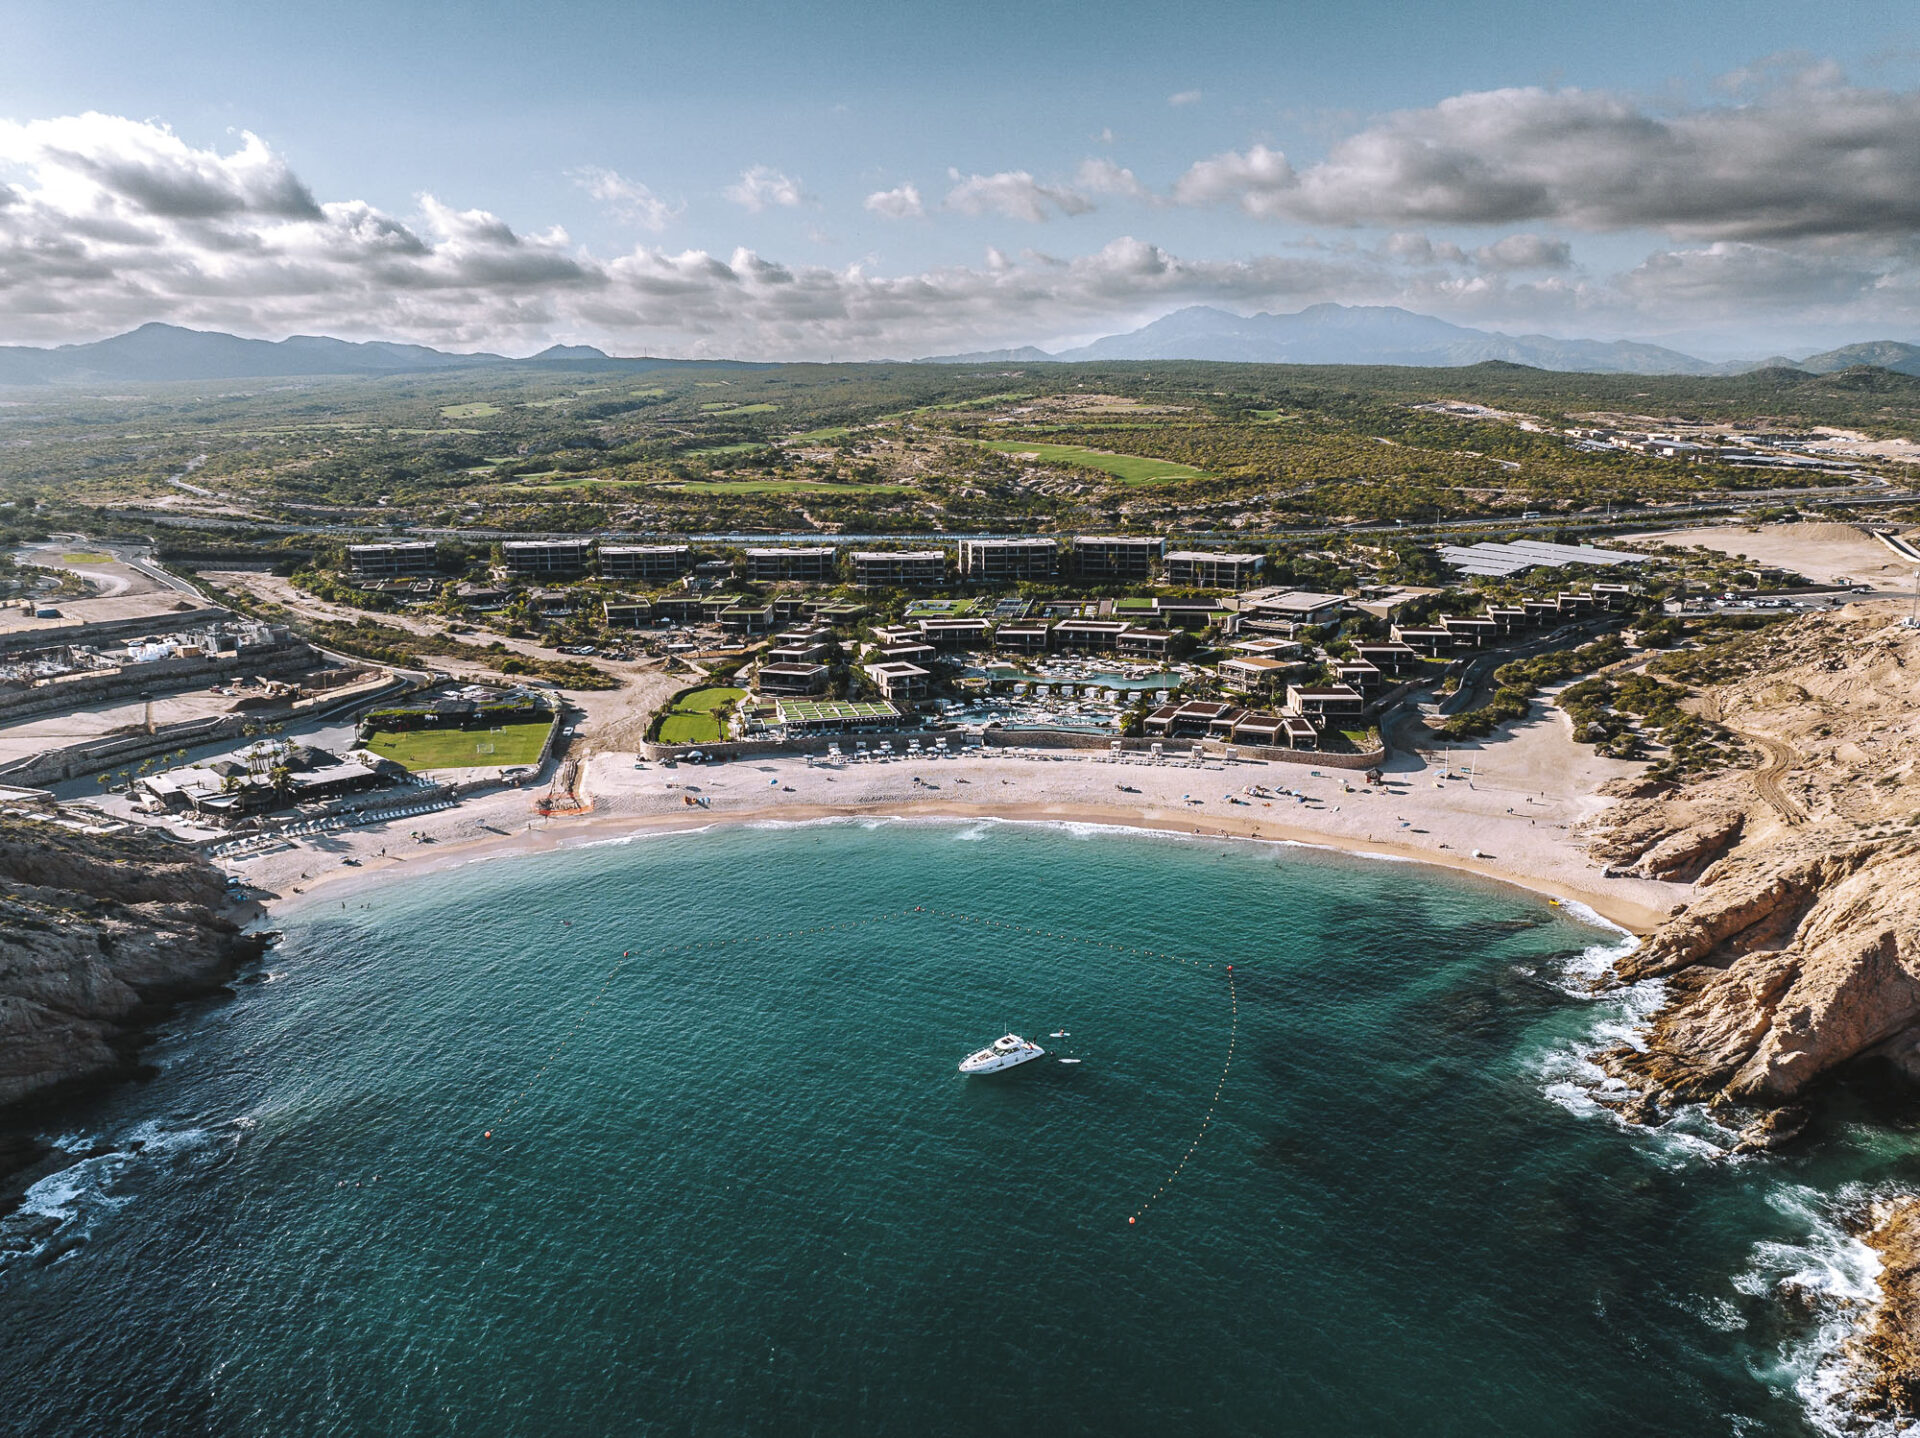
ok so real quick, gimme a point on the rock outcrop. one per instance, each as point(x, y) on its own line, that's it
point(1801, 949)
point(1888, 1353)
point(98, 935)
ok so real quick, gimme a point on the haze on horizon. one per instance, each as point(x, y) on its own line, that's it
point(865, 181)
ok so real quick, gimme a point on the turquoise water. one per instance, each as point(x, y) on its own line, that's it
point(740, 1188)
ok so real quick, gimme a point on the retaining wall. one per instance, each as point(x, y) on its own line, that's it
point(155, 677)
point(99, 631)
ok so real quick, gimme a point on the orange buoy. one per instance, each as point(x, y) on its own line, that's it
point(1129, 1220)
point(487, 1134)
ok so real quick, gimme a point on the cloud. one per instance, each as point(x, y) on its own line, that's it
point(1014, 194)
point(1809, 158)
point(1101, 176)
point(106, 223)
point(900, 203)
point(1524, 252)
point(1184, 97)
point(763, 187)
point(629, 199)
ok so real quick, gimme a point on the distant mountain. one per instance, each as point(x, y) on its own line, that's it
point(1388, 335)
point(157, 352)
point(1883, 354)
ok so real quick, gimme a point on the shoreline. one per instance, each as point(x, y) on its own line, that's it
point(1634, 918)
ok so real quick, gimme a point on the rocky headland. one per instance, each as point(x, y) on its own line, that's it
point(99, 935)
point(1799, 954)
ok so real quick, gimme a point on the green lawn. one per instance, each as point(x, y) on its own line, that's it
point(722, 409)
point(86, 556)
point(744, 447)
point(814, 436)
point(781, 486)
point(468, 411)
point(693, 718)
point(418, 749)
point(678, 728)
point(1127, 468)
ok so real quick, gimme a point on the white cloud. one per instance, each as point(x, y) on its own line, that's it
point(629, 199)
point(900, 203)
point(763, 187)
point(1184, 97)
point(1101, 176)
point(1808, 158)
point(1524, 252)
point(1014, 194)
point(106, 223)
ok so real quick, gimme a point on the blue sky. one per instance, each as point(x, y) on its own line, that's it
point(866, 179)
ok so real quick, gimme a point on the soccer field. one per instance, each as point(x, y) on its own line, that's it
point(418, 749)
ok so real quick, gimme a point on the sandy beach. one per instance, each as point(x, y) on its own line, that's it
point(1513, 820)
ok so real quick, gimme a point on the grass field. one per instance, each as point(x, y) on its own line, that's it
point(86, 556)
point(468, 411)
point(419, 749)
point(815, 436)
point(781, 486)
point(723, 410)
point(1127, 468)
point(692, 720)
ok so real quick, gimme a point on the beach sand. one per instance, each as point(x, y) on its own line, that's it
point(1518, 811)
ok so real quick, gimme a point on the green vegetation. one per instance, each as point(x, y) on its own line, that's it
point(418, 749)
point(1520, 680)
point(694, 716)
point(477, 410)
point(1127, 468)
point(724, 410)
point(86, 556)
point(781, 486)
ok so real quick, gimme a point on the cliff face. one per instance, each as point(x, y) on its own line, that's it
point(97, 935)
point(1801, 950)
point(1889, 1351)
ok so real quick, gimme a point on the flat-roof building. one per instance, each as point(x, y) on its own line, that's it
point(391, 561)
point(627, 613)
point(1205, 570)
point(546, 557)
point(1302, 606)
point(1328, 702)
point(1008, 561)
point(804, 562)
point(1023, 636)
point(899, 568)
point(798, 678)
point(656, 563)
point(1192, 719)
point(899, 683)
point(1089, 634)
point(828, 716)
point(1145, 643)
point(1105, 557)
point(1252, 674)
point(1425, 639)
point(954, 633)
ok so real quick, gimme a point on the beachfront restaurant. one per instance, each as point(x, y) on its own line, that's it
point(833, 716)
point(1191, 720)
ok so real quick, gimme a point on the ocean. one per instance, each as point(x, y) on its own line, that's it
point(665, 1136)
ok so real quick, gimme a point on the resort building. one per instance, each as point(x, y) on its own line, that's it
point(546, 558)
point(1026, 636)
point(1619, 596)
point(1360, 675)
point(1145, 643)
point(1337, 701)
point(1194, 719)
point(748, 619)
point(627, 613)
point(899, 683)
point(1268, 648)
point(1190, 613)
point(1008, 561)
point(1509, 618)
point(1255, 675)
point(391, 561)
point(1470, 631)
point(1099, 558)
point(1091, 635)
point(1299, 606)
point(955, 633)
point(651, 563)
point(911, 652)
point(1203, 570)
point(1429, 640)
point(899, 568)
point(800, 648)
point(833, 716)
point(791, 679)
point(805, 562)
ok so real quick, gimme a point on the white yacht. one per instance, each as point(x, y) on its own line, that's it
point(1002, 1053)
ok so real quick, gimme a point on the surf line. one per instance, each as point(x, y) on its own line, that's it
point(664, 950)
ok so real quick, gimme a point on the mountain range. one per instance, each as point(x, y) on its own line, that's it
point(1388, 335)
point(168, 352)
point(1320, 334)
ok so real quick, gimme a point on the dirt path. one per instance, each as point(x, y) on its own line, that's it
point(1766, 779)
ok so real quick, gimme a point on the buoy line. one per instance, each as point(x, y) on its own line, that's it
point(664, 950)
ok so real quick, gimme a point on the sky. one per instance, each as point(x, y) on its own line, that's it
point(856, 180)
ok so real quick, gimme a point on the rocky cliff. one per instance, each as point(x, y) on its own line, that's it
point(1801, 949)
point(98, 934)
